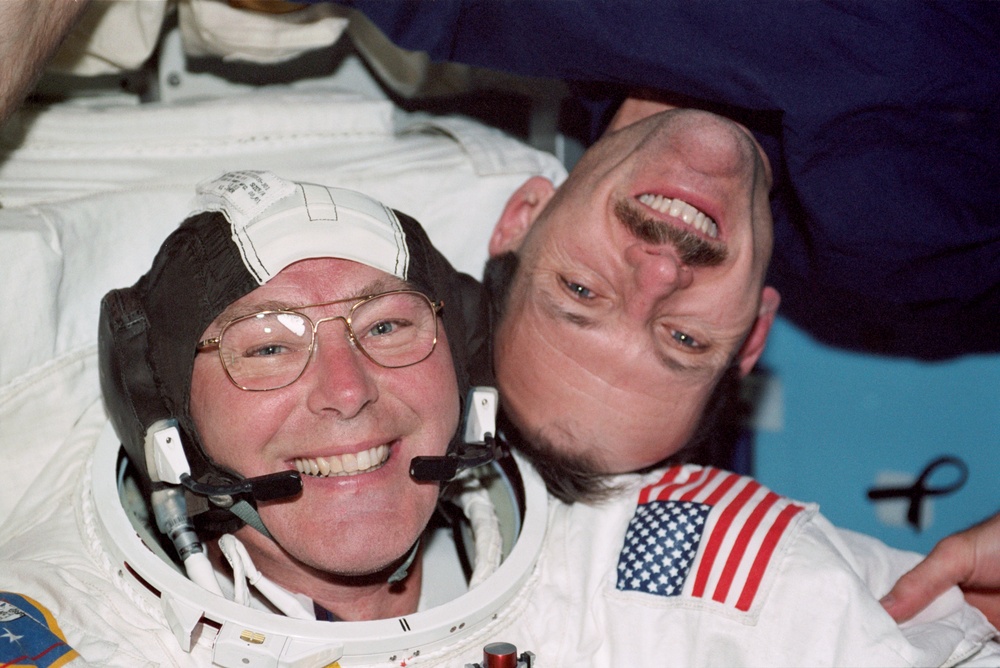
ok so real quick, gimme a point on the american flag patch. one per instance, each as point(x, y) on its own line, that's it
point(703, 533)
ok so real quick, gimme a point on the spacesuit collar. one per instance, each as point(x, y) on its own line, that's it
point(212, 623)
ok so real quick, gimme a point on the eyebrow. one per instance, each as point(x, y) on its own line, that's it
point(381, 284)
point(552, 306)
point(693, 250)
point(680, 367)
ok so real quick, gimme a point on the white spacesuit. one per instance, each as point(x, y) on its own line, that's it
point(138, 584)
point(687, 565)
point(567, 601)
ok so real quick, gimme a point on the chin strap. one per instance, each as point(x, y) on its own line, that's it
point(166, 457)
point(404, 568)
point(246, 512)
point(470, 495)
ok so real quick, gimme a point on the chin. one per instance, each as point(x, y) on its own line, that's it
point(362, 543)
point(358, 559)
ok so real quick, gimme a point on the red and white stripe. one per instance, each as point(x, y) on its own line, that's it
point(741, 534)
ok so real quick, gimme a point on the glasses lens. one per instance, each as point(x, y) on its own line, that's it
point(265, 351)
point(396, 329)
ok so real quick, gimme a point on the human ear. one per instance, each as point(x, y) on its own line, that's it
point(519, 214)
point(753, 345)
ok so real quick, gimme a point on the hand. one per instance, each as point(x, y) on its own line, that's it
point(970, 559)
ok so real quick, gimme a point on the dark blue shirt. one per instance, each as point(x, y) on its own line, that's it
point(881, 119)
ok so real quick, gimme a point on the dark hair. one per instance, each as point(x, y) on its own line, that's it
point(576, 477)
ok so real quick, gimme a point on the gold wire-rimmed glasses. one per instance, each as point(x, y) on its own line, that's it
point(271, 349)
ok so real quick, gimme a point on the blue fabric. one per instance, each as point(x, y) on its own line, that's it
point(31, 636)
point(881, 119)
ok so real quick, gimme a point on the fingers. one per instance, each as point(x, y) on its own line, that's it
point(988, 602)
point(948, 564)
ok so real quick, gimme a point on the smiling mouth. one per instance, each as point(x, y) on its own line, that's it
point(678, 208)
point(348, 464)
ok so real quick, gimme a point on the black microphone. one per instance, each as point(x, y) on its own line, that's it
point(444, 468)
point(280, 485)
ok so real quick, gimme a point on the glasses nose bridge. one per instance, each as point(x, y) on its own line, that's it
point(347, 324)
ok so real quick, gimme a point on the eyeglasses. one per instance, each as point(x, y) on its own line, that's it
point(269, 350)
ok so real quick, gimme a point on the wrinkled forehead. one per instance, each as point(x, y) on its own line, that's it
point(617, 413)
point(313, 281)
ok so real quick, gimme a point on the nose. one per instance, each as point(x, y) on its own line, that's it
point(657, 272)
point(340, 378)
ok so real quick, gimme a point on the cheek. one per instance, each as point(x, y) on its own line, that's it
point(207, 408)
point(434, 394)
point(219, 411)
point(729, 304)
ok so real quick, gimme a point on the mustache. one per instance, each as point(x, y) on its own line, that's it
point(692, 249)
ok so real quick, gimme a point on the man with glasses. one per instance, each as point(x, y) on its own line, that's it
point(349, 422)
point(329, 360)
point(44, 26)
point(285, 385)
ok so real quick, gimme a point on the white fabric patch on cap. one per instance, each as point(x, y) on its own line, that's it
point(276, 222)
point(243, 196)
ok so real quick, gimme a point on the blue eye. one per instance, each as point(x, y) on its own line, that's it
point(267, 350)
point(684, 339)
point(382, 328)
point(578, 290)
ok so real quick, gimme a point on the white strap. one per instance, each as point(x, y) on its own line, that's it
point(245, 572)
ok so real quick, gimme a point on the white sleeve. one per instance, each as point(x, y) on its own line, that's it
point(815, 602)
point(829, 589)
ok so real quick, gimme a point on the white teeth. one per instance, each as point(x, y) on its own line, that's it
point(675, 207)
point(346, 464)
point(364, 461)
point(683, 211)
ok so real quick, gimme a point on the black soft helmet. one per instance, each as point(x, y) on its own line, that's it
point(247, 227)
